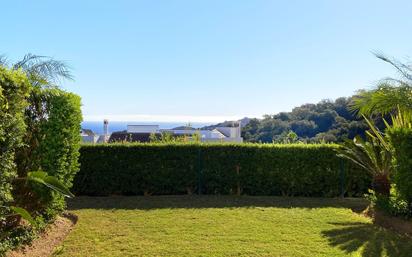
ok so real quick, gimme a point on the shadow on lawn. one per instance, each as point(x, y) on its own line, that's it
point(374, 240)
point(211, 201)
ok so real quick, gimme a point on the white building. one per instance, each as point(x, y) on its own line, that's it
point(219, 134)
point(143, 129)
point(141, 133)
point(88, 136)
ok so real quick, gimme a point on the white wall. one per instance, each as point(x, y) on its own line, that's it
point(89, 138)
point(142, 128)
point(232, 132)
point(203, 133)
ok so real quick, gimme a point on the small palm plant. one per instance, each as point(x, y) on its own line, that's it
point(39, 177)
point(374, 155)
point(391, 97)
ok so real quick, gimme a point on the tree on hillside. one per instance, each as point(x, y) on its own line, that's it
point(326, 121)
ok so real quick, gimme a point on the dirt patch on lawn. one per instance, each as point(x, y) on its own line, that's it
point(47, 241)
point(399, 225)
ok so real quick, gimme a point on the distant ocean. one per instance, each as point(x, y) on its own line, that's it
point(97, 126)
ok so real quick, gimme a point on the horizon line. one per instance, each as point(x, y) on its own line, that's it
point(166, 118)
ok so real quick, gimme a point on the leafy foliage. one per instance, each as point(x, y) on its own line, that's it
point(52, 137)
point(58, 150)
point(39, 130)
point(43, 69)
point(43, 178)
point(401, 140)
point(390, 95)
point(14, 88)
point(24, 214)
point(50, 182)
point(326, 121)
point(373, 155)
point(252, 169)
point(384, 99)
point(392, 205)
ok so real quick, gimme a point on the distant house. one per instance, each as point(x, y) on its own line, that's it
point(142, 133)
point(88, 136)
point(135, 133)
point(124, 136)
point(143, 129)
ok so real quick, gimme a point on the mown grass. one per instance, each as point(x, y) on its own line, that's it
point(227, 226)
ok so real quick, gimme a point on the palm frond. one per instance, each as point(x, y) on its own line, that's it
point(369, 155)
point(376, 134)
point(389, 95)
point(402, 119)
point(373, 154)
point(44, 67)
point(404, 69)
point(3, 60)
point(385, 99)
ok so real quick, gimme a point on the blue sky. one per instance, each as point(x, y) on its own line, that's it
point(209, 60)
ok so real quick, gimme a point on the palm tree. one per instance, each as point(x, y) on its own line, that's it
point(389, 95)
point(374, 155)
point(41, 70)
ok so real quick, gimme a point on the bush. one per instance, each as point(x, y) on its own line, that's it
point(14, 88)
point(50, 143)
point(58, 150)
point(392, 205)
point(252, 169)
point(401, 140)
point(39, 130)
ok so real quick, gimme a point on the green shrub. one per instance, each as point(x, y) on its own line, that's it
point(39, 130)
point(401, 140)
point(252, 169)
point(392, 205)
point(58, 150)
point(14, 88)
point(51, 143)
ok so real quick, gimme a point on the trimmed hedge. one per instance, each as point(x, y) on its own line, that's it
point(14, 89)
point(58, 149)
point(401, 140)
point(39, 130)
point(252, 169)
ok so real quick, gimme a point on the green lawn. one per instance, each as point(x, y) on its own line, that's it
point(226, 226)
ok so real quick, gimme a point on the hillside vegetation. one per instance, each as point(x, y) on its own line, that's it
point(328, 121)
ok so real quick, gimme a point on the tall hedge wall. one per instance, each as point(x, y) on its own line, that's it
point(14, 88)
point(401, 140)
point(252, 169)
point(39, 130)
point(58, 149)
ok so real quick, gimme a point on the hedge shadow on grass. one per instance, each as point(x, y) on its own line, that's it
point(211, 201)
point(370, 239)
